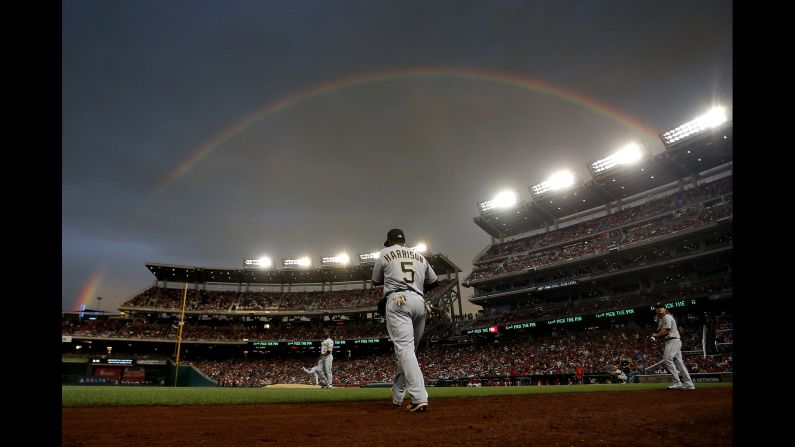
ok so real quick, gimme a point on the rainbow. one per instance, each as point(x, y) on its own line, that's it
point(284, 103)
point(89, 289)
point(279, 105)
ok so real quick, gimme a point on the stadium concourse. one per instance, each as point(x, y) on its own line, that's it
point(567, 284)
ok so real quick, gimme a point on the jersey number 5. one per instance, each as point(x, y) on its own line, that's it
point(407, 268)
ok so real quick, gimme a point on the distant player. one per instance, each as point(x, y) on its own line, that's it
point(621, 376)
point(313, 372)
point(326, 359)
point(672, 353)
point(404, 274)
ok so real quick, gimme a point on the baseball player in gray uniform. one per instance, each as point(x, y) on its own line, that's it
point(404, 274)
point(326, 359)
point(672, 353)
point(313, 371)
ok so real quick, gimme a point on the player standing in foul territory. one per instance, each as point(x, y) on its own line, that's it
point(326, 359)
point(672, 354)
point(404, 274)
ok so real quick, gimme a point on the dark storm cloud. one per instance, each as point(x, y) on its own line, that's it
point(147, 84)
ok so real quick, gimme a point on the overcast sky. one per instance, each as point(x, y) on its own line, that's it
point(203, 133)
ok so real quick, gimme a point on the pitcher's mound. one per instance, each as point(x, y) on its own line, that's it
point(291, 385)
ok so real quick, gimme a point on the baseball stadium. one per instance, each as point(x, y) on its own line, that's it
point(558, 354)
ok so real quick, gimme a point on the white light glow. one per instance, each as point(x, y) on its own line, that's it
point(504, 199)
point(369, 257)
point(340, 259)
point(300, 262)
point(626, 155)
point(556, 181)
point(421, 247)
point(713, 118)
point(561, 179)
point(263, 262)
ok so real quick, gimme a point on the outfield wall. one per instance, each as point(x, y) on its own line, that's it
point(697, 378)
point(92, 370)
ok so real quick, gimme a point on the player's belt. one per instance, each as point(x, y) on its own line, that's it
point(405, 290)
point(672, 338)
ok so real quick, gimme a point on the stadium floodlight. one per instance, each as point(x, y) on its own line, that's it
point(263, 262)
point(713, 118)
point(340, 259)
point(368, 258)
point(624, 156)
point(300, 262)
point(505, 199)
point(556, 181)
point(421, 247)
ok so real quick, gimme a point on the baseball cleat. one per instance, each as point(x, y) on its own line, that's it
point(687, 387)
point(418, 408)
point(676, 386)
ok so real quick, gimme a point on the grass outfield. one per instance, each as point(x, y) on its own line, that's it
point(118, 396)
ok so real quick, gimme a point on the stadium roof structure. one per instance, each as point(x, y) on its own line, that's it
point(685, 161)
point(362, 272)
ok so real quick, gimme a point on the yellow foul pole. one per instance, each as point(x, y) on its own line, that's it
point(181, 325)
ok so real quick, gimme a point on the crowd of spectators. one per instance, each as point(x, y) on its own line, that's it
point(656, 218)
point(669, 289)
point(595, 351)
point(161, 298)
point(651, 208)
point(678, 287)
point(137, 328)
point(724, 333)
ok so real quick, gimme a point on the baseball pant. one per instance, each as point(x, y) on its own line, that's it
point(672, 359)
point(325, 364)
point(319, 371)
point(405, 324)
